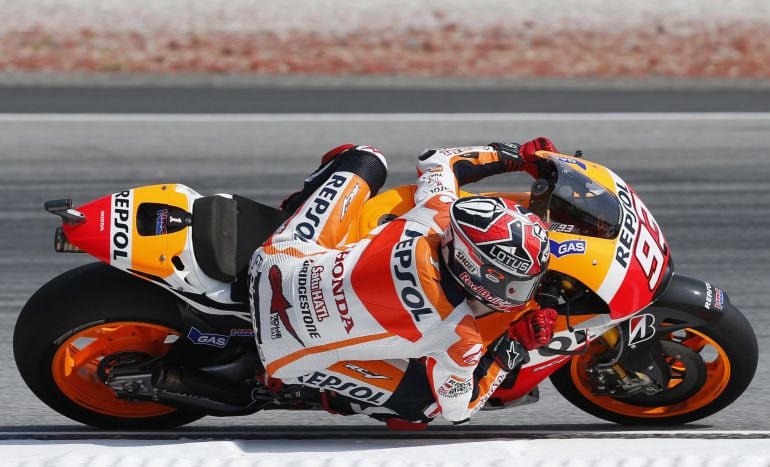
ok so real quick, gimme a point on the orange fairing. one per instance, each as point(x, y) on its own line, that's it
point(152, 254)
point(110, 232)
point(386, 205)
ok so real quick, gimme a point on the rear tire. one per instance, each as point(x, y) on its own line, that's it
point(78, 306)
point(727, 376)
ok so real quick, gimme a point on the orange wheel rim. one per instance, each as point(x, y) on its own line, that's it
point(717, 379)
point(75, 365)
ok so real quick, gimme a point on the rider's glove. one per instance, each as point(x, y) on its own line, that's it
point(513, 156)
point(533, 330)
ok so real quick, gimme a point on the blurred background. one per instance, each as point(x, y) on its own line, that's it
point(465, 38)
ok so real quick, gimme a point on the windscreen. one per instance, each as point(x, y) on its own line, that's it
point(577, 200)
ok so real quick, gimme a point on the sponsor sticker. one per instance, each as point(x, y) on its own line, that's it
point(279, 307)
point(467, 263)
point(318, 208)
point(473, 150)
point(473, 355)
point(352, 389)
point(570, 160)
point(211, 339)
point(484, 293)
point(317, 294)
point(719, 299)
point(405, 276)
point(120, 229)
point(455, 387)
point(308, 316)
point(568, 247)
point(556, 227)
point(161, 222)
point(641, 328)
point(368, 374)
point(715, 297)
point(338, 291)
point(709, 296)
point(349, 200)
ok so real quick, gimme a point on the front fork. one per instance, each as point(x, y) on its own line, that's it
point(614, 378)
point(612, 339)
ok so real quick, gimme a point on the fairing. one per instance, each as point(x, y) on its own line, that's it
point(622, 259)
point(146, 231)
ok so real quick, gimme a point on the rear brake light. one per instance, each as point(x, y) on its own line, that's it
point(62, 245)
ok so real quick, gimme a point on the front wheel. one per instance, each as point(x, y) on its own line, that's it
point(78, 327)
point(710, 366)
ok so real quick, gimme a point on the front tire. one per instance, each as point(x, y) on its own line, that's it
point(73, 322)
point(717, 367)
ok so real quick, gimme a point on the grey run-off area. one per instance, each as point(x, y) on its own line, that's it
point(704, 178)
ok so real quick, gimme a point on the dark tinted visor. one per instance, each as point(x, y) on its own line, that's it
point(517, 290)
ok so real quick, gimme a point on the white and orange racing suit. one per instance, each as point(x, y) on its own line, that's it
point(319, 303)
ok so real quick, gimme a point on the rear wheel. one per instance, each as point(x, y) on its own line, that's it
point(81, 325)
point(710, 366)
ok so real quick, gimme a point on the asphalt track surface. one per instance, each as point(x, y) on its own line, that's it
point(705, 178)
point(377, 100)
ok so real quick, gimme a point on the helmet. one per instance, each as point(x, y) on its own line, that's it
point(496, 249)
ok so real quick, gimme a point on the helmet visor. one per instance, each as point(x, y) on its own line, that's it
point(514, 289)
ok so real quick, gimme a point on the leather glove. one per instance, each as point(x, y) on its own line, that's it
point(528, 149)
point(533, 330)
point(513, 156)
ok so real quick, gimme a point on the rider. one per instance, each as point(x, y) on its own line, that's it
point(404, 290)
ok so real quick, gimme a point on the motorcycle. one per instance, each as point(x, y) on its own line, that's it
point(158, 333)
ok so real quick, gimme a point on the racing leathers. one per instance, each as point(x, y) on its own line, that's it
point(319, 304)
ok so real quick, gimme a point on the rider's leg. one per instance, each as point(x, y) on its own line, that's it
point(332, 196)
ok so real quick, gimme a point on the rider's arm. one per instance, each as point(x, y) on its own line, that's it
point(466, 375)
point(443, 171)
point(463, 376)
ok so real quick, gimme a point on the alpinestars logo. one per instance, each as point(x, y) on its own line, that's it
point(278, 307)
point(473, 355)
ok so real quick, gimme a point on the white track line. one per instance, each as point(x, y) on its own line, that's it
point(388, 453)
point(388, 117)
point(334, 432)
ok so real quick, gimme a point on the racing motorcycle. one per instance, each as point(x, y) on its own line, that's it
point(158, 333)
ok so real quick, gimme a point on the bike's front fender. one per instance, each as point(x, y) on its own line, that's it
point(691, 301)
